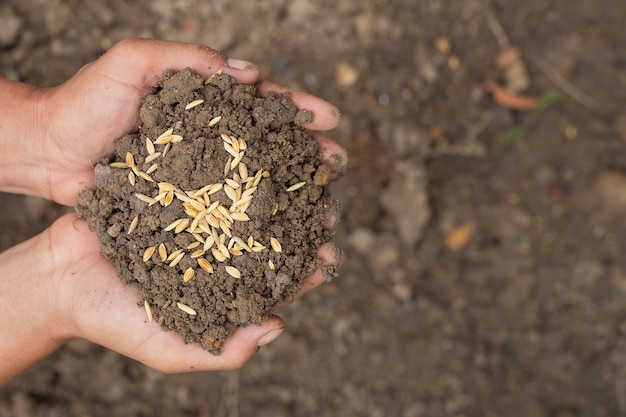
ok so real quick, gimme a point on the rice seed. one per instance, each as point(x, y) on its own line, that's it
point(226, 228)
point(226, 138)
point(166, 149)
point(227, 166)
point(243, 170)
point(186, 309)
point(236, 160)
point(242, 201)
point(130, 159)
point(162, 252)
point(198, 253)
point(230, 150)
point(189, 273)
point(133, 225)
point(198, 237)
point(208, 243)
point(168, 132)
point(296, 186)
point(225, 213)
point(173, 225)
point(241, 243)
point(275, 244)
point(232, 183)
point(203, 190)
point(250, 241)
point(242, 144)
point(275, 209)
point(248, 192)
point(232, 271)
point(204, 226)
point(194, 225)
point(214, 121)
point(193, 104)
point(145, 198)
point(150, 146)
point(235, 251)
point(230, 192)
point(152, 168)
point(166, 186)
point(208, 80)
point(176, 138)
point(152, 157)
point(177, 260)
point(194, 205)
point(181, 226)
point(168, 198)
point(146, 305)
point(271, 265)
point(183, 197)
point(193, 245)
point(215, 188)
point(218, 255)
point(257, 178)
point(174, 254)
point(212, 220)
point(260, 248)
point(235, 143)
point(223, 249)
point(118, 165)
point(240, 217)
point(205, 265)
point(147, 254)
point(131, 178)
point(145, 176)
point(163, 140)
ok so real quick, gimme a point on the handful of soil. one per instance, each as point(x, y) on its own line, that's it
point(215, 208)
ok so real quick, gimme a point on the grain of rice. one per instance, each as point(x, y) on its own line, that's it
point(250, 241)
point(227, 166)
point(188, 275)
point(242, 144)
point(176, 138)
point(174, 254)
point(258, 248)
point(232, 183)
point(236, 160)
point(231, 150)
point(275, 244)
point(271, 265)
point(225, 213)
point(186, 309)
point(173, 225)
point(222, 248)
point(166, 149)
point(208, 243)
point(147, 254)
point(145, 176)
point(257, 178)
point(215, 188)
point(218, 255)
point(183, 197)
point(198, 237)
point(193, 245)
point(150, 146)
point(208, 80)
point(168, 132)
point(193, 104)
point(195, 205)
point(242, 201)
point(248, 192)
point(163, 140)
point(241, 243)
point(118, 165)
point(243, 170)
point(131, 178)
point(232, 271)
point(214, 121)
point(152, 168)
point(168, 198)
point(226, 138)
point(235, 251)
point(152, 157)
point(194, 225)
point(296, 186)
point(230, 192)
point(204, 226)
point(205, 265)
point(145, 198)
point(202, 190)
point(226, 228)
point(197, 253)
point(135, 169)
point(162, 252)
point(275, 209)
point(130, 159)
point(177, 260)
point(234, 143)
point(146, 305)
point(240, 217)
point(181, 226)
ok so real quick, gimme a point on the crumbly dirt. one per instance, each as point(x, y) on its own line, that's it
point(277, 155)
point(526, 318)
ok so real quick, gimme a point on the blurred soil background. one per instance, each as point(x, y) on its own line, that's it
point(485, 272)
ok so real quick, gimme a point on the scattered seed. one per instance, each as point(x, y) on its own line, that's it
point(271, 265)
point(231, 150)
point(130, 159)
point(275, 244)
point(235, 251)
point(257, 178)
point(223, 249)
point(193, 245)
point(248, 192)
point(232, 271)
point(250, 241)
point(227, 166)
point(168, 132)
point(168, 198)
point(150, 146)
point(214, 121)
point(145, 176)
point(208, 243)
point(203, 190)
point(162, 252)
point(296, 186)
point(236, 160)
point(193, 104)
point(145, 198)
point(148, 310)
point(194, 225)
point(176, 260)
point(240, 217)
point(131, 178)
point(186, 309)
point(243, 170)
point(174, 254)
point(258, 248)
point(242, 144)
point(198, 253)
point(189, 273)
point(195, 205)
point(118, 165)
point(173, 225)
point(152, 168)
point(230, 192)
point(226, 138)
point(152, 157)
point(225, 228)
point(275, 209)
point(147, 254)
point(232, 183)
point(218, 255)
point(214, 189)
point(206, 265)
point(242, 201)
point(176, 138)
point(235, 143)
point(208, 80)
point(183, 197)
point(166, 149)
point(182, 225)
point(133, 225)
point(241, 243)
point(198, 237)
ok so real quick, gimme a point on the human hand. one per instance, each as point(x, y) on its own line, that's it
point(76, 292)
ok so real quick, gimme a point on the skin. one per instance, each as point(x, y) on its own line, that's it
point(56, 286)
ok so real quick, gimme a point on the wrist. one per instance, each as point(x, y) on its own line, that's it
point(23, 167)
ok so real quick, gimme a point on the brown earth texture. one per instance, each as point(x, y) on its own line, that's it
point(482, 209)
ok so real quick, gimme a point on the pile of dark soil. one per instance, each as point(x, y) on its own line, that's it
point(215, 208)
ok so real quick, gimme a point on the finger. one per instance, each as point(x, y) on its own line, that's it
point(325, 115)
point(141, 63)
point(335, 155)
point(331, 257)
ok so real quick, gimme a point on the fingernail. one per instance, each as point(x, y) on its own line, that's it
point(270, 336)
point(240, 64)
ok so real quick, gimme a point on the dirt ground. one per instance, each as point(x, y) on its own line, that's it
point(484, 271)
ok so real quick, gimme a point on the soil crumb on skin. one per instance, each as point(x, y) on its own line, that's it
point(171, 213)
